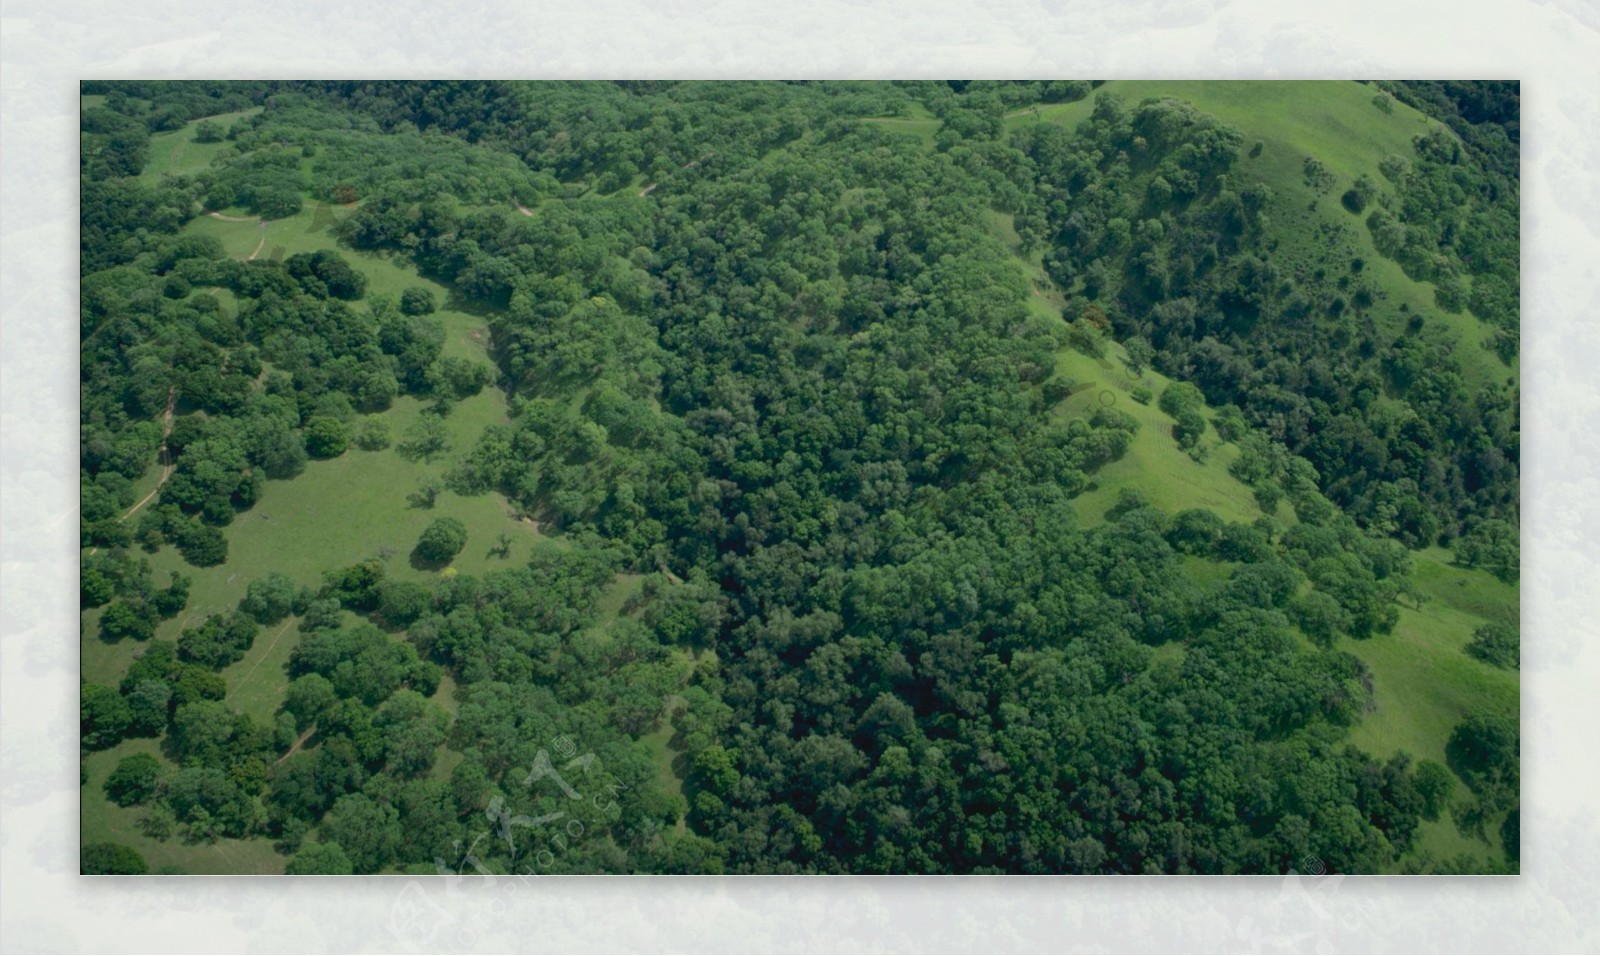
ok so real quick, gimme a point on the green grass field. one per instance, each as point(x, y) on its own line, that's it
point(918, 123)
point(1153, 463)
point(1425, 683)
point(176, 153)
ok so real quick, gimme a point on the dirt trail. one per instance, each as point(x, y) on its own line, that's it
point(266, 653)
point(218, 215)
point(298, 744)
point(523, 209)
point(166, 464)
point(689, 165)
point(263, 242)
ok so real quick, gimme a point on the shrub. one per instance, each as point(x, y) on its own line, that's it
point(442, 541)
point(1180, 396)
point(134, 781)
point(373, 434)
point(326, 437)
point(1497, 644)
point(110, 859)
point(202, 545)
point(416, 300)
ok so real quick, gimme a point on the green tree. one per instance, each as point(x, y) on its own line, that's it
point(319, 859)
point(104, 716)
point(1485, 751)
point(127, 620)
point(218, 641)
point(1492, 545)
point(368, 832)
point(1497, 644)
point(1180, 397)
point(270, 599)
point(110, 859)
point(1435, 783)
point(149, 704)
point(326, 437)
point(442, 540)
point(134, 780)
point(372, 434)
point(309, 697)
point(202, 545)
point(416, 300)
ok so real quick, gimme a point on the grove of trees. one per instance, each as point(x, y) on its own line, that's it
point(767, 359)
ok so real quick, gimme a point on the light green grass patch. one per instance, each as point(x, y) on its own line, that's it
point(257, 681)
point(351, 508)
point(1425, 683)
point(917, 122)
point(1153, 463)
point(175, 153)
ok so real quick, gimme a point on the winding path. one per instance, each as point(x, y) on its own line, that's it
point(689, 165)
point(297, 745)
point(166, 463)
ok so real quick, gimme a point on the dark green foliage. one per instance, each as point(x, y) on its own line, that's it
point(208, 804)
point(270, 599)
point(1485, 751)
point(217, 642)
point(103, 716)
point(799, 390)
point(442, 540)
point(308, 698)
point(110, 859)
point(1191, 425)
point(400, 603)
point(1180, 397)
point(128, 620)
point(355, 587)
point(201, 545)
point(149, 705)
point(326, 437)
point(160, 666)
point(1511, 835)
point(1497, 644)
point(1435, 783)
point(1195, 531)
point(134, 780)
point(416, 300)
point(1492, 545)
point(363, 663)
point(369, 833)
point(319, 859)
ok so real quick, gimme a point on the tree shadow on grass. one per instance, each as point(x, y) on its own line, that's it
point(421, 563)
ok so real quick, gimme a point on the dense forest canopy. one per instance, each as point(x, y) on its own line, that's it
point(767, 361)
